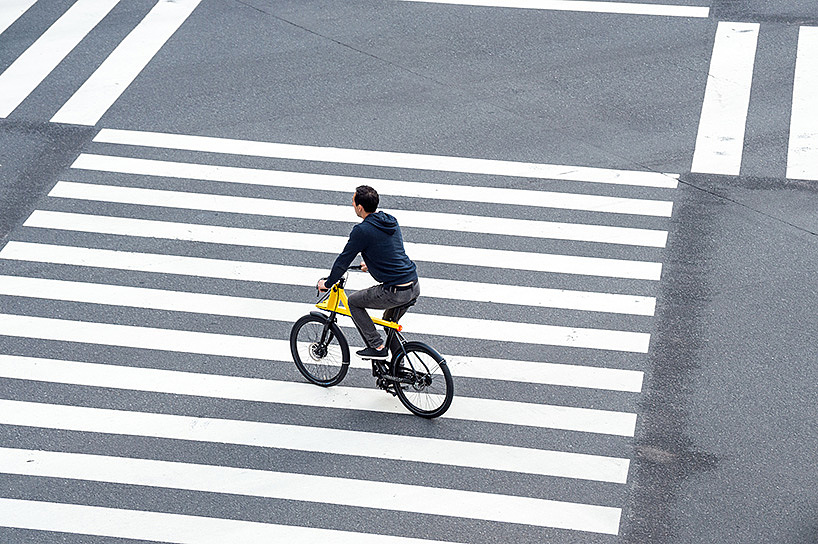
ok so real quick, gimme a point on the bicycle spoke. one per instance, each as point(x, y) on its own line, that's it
point(321, 362)
point(426, 386)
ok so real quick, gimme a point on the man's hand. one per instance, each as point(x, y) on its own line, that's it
point(364, 268)
point(321, 286)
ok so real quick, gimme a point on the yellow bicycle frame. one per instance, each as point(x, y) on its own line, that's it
point(337, 302)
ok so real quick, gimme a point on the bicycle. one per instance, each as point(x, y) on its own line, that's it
point(417, 374)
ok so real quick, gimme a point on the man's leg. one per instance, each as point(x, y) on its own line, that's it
point(395, 313)
point(376, 297)
point(359, 301)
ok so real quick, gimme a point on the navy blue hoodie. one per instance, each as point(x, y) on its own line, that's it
point(378, 239)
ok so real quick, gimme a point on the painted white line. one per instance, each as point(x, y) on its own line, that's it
point(303, 438)
point(130, 57)
point(567, 375)
point(628, 8)
point(610, 379)
point(32, 67)
point(295, 275)
point(279, 310)
point(321, 243)
point(802, 158)
point(415, 161)
point(345, 214)
point(720, 140)
point(171, 528)
point(11, 10)
point(562, 464)
point(324, 182)
point(304, 394)
point(271, 349)
point(311, 488)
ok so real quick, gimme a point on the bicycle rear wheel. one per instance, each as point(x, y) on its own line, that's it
point(323, 362)
point(424, 385)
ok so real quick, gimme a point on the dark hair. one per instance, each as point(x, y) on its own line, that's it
point(367, 197)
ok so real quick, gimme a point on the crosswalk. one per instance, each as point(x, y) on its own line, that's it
point(148, 299)
point(720, 142)
point(116, 72)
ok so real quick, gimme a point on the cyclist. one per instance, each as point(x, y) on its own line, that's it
point(379, 241)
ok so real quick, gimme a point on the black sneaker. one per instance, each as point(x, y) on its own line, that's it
point(372, 353)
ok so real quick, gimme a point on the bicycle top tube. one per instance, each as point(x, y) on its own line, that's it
point(336, 301)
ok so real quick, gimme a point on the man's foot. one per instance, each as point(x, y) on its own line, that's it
point(373, 353)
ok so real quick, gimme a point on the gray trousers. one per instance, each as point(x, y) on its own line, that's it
point(380, 298)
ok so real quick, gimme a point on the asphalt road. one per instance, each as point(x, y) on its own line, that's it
point(725, 443)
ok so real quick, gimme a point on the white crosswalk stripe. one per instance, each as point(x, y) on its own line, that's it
point(32, 67)
point(467, 256)
point(268, 348)
point(389, 159)
point(472, 409)
point(333, 212)
point(139, 278)
point(340, 442)
point(802, 159)
point(11, 10)
point(299, 275)
point(90, 102)
point(367, 494)
point(176, 528)
point(588, 6)
point(720, 142)
point(462, 327)
point(300, 180)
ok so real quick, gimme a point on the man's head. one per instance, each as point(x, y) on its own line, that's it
point(365, 200)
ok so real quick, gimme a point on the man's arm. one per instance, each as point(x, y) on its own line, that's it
point(342, 262)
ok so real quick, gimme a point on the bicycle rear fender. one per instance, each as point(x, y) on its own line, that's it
point(409, 345)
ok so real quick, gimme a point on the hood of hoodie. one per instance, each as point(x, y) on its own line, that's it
point(383, 221)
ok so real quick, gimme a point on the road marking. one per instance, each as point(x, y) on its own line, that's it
point(486, 368)
point(172, 528)
point(11, 10)
point(215, 344)
point(311, 488)
point(345, 214)
point(802, 157)
point(628, 8)
point(390, 159)
point(347, 184)
point(720, 140)
point(130, 57)
point(279, 310)
point(303, 394)
point(553, 463)
point(295, 275)
point(321, 243)
point(32, 67)
point(313, 439)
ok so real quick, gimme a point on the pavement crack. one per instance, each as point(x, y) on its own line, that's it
point(725, 198)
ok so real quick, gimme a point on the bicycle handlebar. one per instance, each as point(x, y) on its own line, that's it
point(353, 267)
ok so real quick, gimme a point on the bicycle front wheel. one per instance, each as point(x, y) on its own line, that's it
point(320, 352)
point(424, 385)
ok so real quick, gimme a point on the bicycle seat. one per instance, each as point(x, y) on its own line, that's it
point(407, 305)
point(399, 311)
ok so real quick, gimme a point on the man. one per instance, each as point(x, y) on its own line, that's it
point(379, 241)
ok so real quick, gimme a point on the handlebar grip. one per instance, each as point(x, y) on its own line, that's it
point(354, 267)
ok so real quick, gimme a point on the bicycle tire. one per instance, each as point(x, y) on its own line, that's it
point(426, 386)
point(321, 365)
